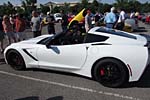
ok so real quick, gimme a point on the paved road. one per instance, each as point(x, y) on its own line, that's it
point(36, 84)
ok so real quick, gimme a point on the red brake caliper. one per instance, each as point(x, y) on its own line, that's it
point(102, 72)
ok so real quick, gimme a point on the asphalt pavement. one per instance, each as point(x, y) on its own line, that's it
point(38, 84)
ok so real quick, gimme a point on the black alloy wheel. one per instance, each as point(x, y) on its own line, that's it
point(111, 73)
point(15, 60)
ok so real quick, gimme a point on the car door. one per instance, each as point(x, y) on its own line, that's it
point(62, 56)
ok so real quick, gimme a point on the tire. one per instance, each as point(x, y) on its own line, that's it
point(15, 60)
point(110, 73)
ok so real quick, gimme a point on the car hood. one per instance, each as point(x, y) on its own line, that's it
point(35, 40)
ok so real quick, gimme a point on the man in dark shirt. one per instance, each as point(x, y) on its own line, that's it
point(65, 22)
point(96, 18)
point(51, 23)
point(1, 36)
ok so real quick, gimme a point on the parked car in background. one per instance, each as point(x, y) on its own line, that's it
point(131, 25)
point(147, 20)
point(70, 17)
point(57, 17)
point(141, 16)
point(143, 19)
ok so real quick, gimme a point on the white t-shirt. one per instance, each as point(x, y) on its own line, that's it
point(121, 16)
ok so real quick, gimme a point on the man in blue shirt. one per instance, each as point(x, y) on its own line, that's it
point(110, 18)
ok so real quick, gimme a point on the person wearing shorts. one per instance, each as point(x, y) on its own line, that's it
point(36, 24)
point(1, 36)
point(8, 29)
point(20, 27)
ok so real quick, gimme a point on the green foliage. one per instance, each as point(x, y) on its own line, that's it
point(94, 7)
point(66, 8)
point(56, 9)
point(145, 7)
point(44, 9)
point(84, 3)
point(29, 5)
point(7, 9)
point(131, 5)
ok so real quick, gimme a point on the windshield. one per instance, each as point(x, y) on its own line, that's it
point(58, 15)
point(50, 38)
point(115, 32)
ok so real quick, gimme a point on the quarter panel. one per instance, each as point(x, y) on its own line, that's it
point(135, 56)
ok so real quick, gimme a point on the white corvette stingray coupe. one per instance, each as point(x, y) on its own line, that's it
point(109, 56)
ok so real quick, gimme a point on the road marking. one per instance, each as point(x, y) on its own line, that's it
point(71, 86)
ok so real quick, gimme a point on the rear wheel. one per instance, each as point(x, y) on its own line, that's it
point(110, 73)
point(15, 60)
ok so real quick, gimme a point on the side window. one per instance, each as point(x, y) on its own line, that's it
point(95, 38)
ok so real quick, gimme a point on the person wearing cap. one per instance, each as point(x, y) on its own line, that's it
point(88, 21)
point(110, 18)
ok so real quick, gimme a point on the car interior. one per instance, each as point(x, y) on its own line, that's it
point(71, 36)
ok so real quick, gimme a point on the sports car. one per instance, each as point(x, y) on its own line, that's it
point(109, 56)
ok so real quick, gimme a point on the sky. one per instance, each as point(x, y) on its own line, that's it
point(17, 2)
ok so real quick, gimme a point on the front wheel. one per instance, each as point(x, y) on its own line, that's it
point(110, 73)
point(15, 60)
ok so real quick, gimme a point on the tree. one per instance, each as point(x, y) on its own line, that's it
point(44, 9)
point(56, 9)
point(128, 5)
point(145, 7)
point(106, 8)
point(66, 7)
point(29, 6)
point(84, 3)
point(95, 5)
point(121, 3)
point(7, 8)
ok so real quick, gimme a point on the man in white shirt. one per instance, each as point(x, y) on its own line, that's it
point(36, 24)
point(121, 19)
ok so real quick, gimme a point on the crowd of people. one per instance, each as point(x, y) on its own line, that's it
point(12, 27)
point(115, 18)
